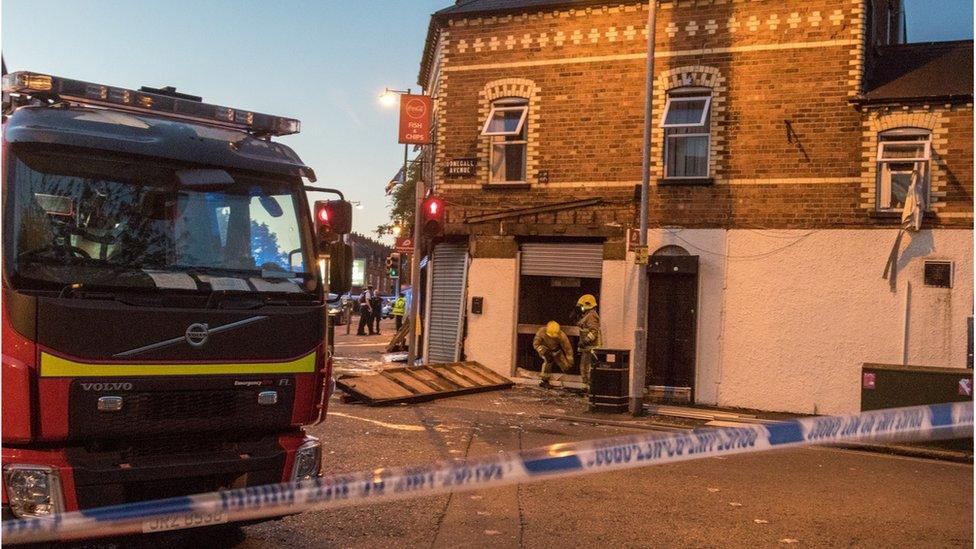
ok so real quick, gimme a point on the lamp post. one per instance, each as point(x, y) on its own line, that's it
point(389, 98)
point(639, 371)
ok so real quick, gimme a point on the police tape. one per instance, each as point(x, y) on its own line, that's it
point(938, 421)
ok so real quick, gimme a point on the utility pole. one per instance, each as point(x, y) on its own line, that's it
point(414, 262)
point(399, 266)
point(638, 373)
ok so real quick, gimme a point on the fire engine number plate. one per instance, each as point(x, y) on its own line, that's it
point(190, 519)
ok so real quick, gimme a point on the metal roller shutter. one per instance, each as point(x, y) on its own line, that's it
point(575, 260)
point(448, 279)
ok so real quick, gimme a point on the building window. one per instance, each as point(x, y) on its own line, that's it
point(507, 128)
point(686, 133)
point(903, 155)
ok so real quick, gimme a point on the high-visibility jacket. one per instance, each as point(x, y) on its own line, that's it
point(400, 306)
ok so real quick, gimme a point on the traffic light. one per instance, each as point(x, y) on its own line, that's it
point(333, 218)
point(433, 211)
point(393, 265)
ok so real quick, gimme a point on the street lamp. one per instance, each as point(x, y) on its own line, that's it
point(388, 98)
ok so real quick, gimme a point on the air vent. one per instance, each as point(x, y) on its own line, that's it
point(938, 274)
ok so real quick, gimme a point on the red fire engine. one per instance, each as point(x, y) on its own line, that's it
point(164, 297)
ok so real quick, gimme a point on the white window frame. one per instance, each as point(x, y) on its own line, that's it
point(500, 108)
point(923, 164)
point(687, 99)
point(502, 138)
point(686, 95)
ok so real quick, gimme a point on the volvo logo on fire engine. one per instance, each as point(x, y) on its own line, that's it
point(197, 334)
point(110, 386)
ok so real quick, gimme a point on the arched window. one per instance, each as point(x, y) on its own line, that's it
point(686, 124)
point(903, 155)
point(507, 127)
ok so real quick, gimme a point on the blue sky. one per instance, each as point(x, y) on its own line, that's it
point(322, 61)
point(934, 20)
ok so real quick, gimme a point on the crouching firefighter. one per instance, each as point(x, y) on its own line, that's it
point(553, 347)
point(589, 336)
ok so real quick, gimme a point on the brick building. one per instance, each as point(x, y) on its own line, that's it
point(786, 134)
point(372, 254)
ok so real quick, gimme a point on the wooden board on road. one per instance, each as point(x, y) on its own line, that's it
point(421, 383)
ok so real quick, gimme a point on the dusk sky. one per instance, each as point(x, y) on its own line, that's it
point(323, 62)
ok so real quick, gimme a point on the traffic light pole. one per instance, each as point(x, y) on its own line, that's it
point(415, 276)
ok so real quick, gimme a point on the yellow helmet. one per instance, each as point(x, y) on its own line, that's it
point(586, 302)
point(552, 328)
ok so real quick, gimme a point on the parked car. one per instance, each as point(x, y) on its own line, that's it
point(335, 309)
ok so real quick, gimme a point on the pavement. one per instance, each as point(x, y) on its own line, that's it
point(825, 497)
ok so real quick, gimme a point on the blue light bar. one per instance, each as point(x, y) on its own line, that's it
point(173, 105)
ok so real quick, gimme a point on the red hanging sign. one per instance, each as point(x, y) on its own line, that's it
point(415, 119)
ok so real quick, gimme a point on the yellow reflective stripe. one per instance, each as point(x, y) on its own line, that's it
point(55, 366)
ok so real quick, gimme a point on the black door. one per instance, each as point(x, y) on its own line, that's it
point(672, 312)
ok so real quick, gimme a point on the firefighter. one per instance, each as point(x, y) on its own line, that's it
point(589, 336)
point(554, 348)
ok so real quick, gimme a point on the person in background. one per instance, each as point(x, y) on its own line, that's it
point(377, 307)
point(589, 336)
point(553, 347)
point(365, 311)
point(399, 309)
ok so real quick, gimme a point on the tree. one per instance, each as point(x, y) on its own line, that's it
point(403, 203)
point(265, 247)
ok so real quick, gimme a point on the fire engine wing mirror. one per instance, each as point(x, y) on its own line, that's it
point(340, 267)
point(204, 180)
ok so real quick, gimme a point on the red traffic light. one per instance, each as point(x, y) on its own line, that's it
point(433, 217)
point(333, 218)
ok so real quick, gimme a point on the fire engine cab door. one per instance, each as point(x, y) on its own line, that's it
point(449, 272)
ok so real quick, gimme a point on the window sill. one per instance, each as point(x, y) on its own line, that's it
point(506, 186)
point(689, 181)
point(896, 216)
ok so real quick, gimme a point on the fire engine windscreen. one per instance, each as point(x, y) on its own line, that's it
point(105, 221)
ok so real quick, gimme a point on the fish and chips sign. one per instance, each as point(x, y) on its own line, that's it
point(415, 119)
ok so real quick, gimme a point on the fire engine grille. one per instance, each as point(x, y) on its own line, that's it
point(171, 466)
point(160, 412)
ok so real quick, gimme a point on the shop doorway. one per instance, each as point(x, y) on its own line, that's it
point(552, 278)
point(672, 325)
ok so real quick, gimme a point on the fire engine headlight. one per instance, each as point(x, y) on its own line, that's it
point(308, 460)
point(33, 490)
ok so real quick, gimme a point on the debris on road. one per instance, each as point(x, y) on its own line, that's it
point(423, 383)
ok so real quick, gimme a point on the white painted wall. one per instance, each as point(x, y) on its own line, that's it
point(490, 336)
point(614, 290)
point(785, 318)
